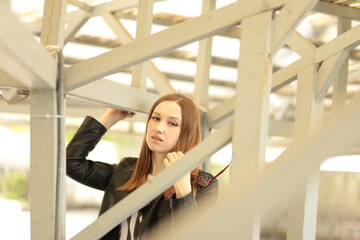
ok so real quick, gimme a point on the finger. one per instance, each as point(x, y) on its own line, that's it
point(171, 157)
point(180, 154)
point(166, 162)
point(176, 155)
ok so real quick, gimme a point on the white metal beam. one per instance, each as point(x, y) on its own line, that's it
point(268, 191)
point(143, 29)
point(52, 30)
point(301, 45)
point(35, 26)
point(328, 72)
point(340, 83)
point(112, 6)
point(347, 40)
point(309, 116)
point(160, 81)
point(202, 77)
point(8, 81)
point(78, 19)
point(161, 42)
point(220, 113)
point(81, 5)
point(224, 111)
point(19, 51)
point(280, 78)
point(338, 10)
point(203, 63)
point(288, 19)
point(251, 107)
point(122, 35)
point(109, 93)
point(43, 140)
point(161, 182)
point(52, 36)
point(93, 11)
point(284, 76)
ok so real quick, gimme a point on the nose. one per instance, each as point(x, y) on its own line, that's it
point(160, 126)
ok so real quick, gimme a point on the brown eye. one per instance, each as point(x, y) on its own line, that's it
point(155, 118)
point(173, 124)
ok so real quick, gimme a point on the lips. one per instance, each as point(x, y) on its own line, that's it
point(157, 138)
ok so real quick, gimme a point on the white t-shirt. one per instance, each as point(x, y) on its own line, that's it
point(128, 226)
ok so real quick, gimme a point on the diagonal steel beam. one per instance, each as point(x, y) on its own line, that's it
point(74, 24)
point(92, 11)
point(116, 5)
point(19, 50)
point(161, 42)
point(328, 72)
point(8, 81)
point(286, 75)
point(161, 182)
point(340, 83)
point(338, 10)
point(347, 40)
point(109, 93)
point(288, 19)
point(81, 5)
point(261, 193)
point(160, 81)
point(301, 45)
point(281, 78)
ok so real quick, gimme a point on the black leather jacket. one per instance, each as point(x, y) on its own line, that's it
point(108, 177)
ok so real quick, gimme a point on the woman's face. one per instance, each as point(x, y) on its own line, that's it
point(164, 127)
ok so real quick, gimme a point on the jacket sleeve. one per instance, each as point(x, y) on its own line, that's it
point(91, 173)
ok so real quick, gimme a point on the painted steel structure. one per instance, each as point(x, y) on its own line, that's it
point(266, 26)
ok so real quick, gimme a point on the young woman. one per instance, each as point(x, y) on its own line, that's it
point(172, 130)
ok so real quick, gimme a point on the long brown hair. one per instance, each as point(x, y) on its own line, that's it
point(189, 137)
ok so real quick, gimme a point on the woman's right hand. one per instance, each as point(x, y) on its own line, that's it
point(112, 116)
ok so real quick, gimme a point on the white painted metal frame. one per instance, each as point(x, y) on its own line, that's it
point(242, 120)
point(303, 206)
point(109, 93)
point(202, 78)
point(269, 191)
point(253, 85)
point(340, 83)
point(47, 167)
point(137, 199)
point(19, 50)
point(138, 51)
point(143, 29)
point(123, 36)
